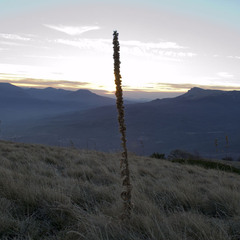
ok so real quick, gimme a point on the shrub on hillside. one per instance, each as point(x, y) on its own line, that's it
point(209, 165)
point(181, 154)
point(227, 158)
point(158, 155)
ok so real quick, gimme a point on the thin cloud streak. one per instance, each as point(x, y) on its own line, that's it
point(14, 37)
point(234, 57)
point(72, 30)
point(150, 45)
point(136, 48)
point(43, 83)
point(225, 75)
point(172, 87)
point(13, 44)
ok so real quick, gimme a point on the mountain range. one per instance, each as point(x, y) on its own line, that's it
point(20, 104)
point(204, 122)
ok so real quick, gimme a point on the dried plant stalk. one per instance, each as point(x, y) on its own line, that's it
point(127, 188)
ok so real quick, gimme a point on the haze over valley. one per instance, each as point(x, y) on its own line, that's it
point(192, 122)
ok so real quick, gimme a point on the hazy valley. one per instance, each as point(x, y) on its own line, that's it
point(193, 121)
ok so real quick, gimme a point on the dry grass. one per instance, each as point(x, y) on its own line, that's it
point(60, 193)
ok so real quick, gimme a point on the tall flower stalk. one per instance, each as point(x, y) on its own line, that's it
point(127, 188)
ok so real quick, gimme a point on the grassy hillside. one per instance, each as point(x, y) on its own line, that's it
point(62, 193)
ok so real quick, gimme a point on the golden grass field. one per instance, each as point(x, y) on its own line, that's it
point(57, 193)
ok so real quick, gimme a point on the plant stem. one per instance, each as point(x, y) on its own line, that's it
point(127, 187)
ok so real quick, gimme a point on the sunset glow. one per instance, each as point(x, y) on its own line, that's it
point(165, 47)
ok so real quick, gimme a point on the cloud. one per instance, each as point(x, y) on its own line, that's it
point(151, 45)
point(167, 50)
point(234, 57)
point(72, 30)
point(225, 75)
point(96, 44)
point(13, 44)
point(161, 49)
point(14, 37)
point(41, 83)
point(172, 87)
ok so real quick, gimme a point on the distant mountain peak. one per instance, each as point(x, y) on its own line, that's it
point(198, 93)
point(196, 89)
point(7, 85)
point(83, 91)
point(49, 88)
point(12, 91)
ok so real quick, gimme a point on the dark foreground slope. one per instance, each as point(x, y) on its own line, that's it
point(193, 122)
point(61, 193)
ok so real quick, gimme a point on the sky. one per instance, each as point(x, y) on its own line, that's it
point(166, 47)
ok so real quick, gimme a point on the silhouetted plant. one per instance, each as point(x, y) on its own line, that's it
point(127, 187)
point(226, 142)
point(227, 158)
point(216, 144)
